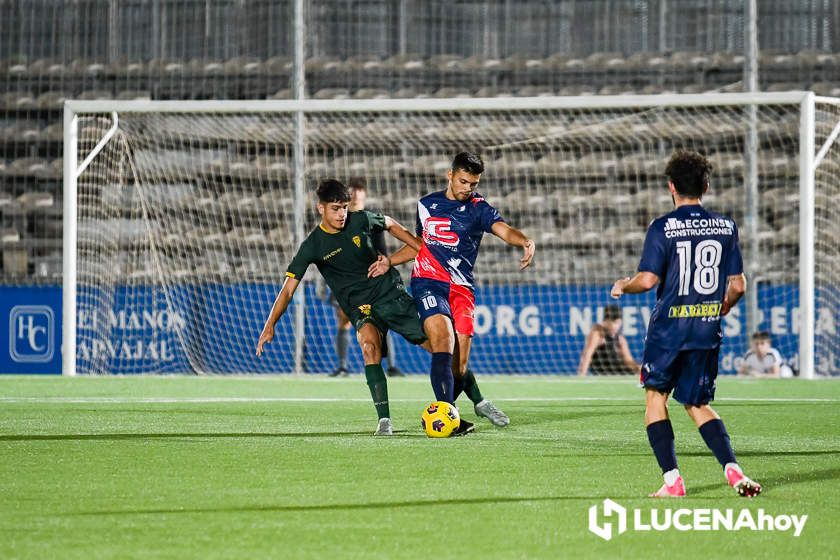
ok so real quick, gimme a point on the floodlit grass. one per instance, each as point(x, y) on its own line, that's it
point(177, 467)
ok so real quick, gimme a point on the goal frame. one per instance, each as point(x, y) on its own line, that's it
point(808, 161)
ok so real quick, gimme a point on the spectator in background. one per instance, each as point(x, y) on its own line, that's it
point(344, 332)
point(606, 351)
point(762, 360)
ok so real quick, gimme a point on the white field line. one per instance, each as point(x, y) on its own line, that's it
point(319, 378)
point(206, 400)
point(486, 379)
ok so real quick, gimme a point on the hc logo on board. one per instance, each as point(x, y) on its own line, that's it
point(610, 508)
point(31, 333)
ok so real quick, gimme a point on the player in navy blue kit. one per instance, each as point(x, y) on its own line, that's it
point(452, 223)
point(693, 256)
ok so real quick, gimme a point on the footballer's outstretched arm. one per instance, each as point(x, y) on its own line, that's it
point(403, 255)
point(281, 303)
point(407, 252)
point(516, 238)
point(640, 283)
point(400, 232)
point(381, 265)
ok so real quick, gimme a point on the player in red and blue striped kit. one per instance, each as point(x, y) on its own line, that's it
point(452, 224)
point(693, 255)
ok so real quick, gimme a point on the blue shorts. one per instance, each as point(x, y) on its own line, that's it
point(433, 297)
point(690, 374)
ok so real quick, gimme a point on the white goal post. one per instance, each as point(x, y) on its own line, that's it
point(180, 216)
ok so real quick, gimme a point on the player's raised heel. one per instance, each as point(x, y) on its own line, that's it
point(743, 485)
point(488, 410)
point(463, 428)
point(385, 428)
point(677, 490)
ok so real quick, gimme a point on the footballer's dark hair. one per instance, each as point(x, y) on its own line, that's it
point(357, 184)
point(689, 171)
point(469, 162)
point(612, 313)
point(331, 190)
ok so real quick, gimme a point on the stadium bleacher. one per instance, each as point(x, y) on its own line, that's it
point(245, 77)
point(33, 87)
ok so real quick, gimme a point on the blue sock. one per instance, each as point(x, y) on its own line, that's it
point(443, 384)
point(661, 438)
point(715, 435)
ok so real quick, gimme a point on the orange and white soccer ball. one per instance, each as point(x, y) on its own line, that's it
point(440, 419)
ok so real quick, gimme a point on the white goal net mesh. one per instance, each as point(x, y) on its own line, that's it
point(827, 240)
point(186, 226)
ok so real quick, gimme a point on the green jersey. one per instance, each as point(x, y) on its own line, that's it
point(343, 259)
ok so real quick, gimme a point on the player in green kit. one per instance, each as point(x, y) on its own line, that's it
point(342, 249)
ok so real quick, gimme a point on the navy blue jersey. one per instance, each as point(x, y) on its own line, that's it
point(693, 252)
point(452, 232)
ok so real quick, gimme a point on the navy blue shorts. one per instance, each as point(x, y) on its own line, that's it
point(433, 297)
point(690, 374)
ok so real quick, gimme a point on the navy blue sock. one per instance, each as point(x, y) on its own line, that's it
point(661, 438)
point(443, 383)
point(715, 435)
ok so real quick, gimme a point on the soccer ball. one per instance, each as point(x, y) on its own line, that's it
point(440, 419)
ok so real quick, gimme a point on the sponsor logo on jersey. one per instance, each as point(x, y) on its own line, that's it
point(357, 241)
point(698, 226)
point(438, 231)
point(330, 255)
point(694, 311)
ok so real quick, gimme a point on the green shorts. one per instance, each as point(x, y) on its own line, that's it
point(398, 315)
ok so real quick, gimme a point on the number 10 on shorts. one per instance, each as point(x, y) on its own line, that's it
point(429, 302)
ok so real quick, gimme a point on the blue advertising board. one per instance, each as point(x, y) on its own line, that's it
point(31, 318)
point(519, 329)
point(136, 330)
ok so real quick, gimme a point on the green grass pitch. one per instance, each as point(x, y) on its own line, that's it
point(283, 467)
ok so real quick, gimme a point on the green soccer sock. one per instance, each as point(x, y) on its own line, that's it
point(471, 387)
point(458, 386)
point(378, 386)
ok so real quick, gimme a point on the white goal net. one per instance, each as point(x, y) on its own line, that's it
point(188, 217)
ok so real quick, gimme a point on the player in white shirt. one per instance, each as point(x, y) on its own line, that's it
point(762, 360)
